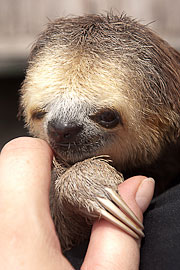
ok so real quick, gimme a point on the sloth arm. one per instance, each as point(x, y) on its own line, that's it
point(87, 191)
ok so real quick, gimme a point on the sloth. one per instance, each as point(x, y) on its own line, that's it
point(103, 91)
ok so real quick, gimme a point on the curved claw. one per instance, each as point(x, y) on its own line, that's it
point(106, 215)
point(118, 213)
point(123, 205)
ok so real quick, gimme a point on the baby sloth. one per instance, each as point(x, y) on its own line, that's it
point(99, 86)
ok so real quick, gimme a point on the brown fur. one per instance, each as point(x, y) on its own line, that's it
point(74, 194)
point(99, 62)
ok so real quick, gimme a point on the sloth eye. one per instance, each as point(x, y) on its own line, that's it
point(108, 118)
point(38, 115)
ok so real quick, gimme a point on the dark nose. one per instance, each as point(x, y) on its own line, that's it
point(62, 133)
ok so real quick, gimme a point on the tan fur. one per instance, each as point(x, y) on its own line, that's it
point(83, 65)
point(104, 74)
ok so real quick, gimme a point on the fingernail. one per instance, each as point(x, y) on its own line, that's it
point(145, 193)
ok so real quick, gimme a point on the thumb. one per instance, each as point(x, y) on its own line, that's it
point(110, 247)
point(137, 191)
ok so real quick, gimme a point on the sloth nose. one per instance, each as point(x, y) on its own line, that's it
point(62, 133)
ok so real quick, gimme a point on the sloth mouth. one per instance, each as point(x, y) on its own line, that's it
point(72, 152)
point(64, 146)
point(77, 151)
point(81, 149)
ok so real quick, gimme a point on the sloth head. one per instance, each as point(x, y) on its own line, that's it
point(102, 85)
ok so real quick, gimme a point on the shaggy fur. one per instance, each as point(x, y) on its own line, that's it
point(82, 66)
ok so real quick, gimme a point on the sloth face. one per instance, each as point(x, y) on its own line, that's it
point(100, 85)
point(84, 112)
point(80, 106)
point(77, 129)
point(82, 123)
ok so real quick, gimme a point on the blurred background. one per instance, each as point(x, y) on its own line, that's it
point(22, 20)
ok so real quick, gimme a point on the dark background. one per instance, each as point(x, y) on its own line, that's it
point(10, 126)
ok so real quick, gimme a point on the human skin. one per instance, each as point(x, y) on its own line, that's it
point(28, 238)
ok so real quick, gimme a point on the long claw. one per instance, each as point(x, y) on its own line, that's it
point(118, 223)
point(123, 206)
point(118, 213)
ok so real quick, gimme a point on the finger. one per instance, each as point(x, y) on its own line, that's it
point(29, 234)
point(25, 167)
point(138, 192)
point(111, 248)
point(145, 193)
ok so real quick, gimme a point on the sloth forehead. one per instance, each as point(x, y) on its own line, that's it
point(58, 76)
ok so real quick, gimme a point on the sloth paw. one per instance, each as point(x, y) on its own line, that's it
point(89, 189)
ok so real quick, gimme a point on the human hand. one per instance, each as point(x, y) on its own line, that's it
point(28, 239)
